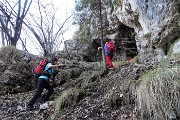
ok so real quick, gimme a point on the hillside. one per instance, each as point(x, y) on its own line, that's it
point(82, 91)
point(145, 84)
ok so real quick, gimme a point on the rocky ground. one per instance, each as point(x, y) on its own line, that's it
point(109, 97)
point(86, 92)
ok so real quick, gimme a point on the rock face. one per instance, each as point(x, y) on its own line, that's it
point(76, 50)
point(155, 23)
point(138, 27)
point(15, 67)
point(176, 48)
point(81, 90)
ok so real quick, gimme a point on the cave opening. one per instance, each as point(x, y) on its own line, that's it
point(125, 43)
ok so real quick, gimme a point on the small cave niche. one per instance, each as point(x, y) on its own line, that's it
point(125, 43)
point(166, 45)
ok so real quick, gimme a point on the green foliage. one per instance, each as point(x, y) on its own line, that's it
point(82, 19)
point(84, 34)
point(83, 11)
point(158, 93)
point(86, 11)
point(82, 4)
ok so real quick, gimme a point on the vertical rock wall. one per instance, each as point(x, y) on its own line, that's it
point(155, 22)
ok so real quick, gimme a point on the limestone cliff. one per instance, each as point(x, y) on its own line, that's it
point(155, 24)
point(144, 28)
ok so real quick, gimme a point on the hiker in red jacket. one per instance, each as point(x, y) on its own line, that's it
point(109, 50)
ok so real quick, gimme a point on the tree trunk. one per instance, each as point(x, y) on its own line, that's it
point(3, 39)
point(13, 42)
point(103, 55)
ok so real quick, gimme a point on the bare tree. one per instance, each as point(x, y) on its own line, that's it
point(11, 20)
point(46, 28)
point(3, 38)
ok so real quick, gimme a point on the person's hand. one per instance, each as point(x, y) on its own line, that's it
point(99, 48)
point(62, 65)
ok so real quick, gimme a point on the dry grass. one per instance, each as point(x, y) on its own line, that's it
point(118, 64)
point(170, 61)
point(122, 94)
point(158, 94)
point(170, 51)
point(135, 60)
point(114, 98)
point(67, 99)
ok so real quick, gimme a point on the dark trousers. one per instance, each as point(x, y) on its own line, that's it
point(36, 80)
point(42, 83)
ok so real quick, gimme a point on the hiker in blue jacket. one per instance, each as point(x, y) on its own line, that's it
point(43, 82)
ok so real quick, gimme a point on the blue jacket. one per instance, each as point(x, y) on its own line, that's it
point(106, 51)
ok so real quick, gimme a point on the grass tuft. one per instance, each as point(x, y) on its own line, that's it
point(158, 94)
point(66, 99)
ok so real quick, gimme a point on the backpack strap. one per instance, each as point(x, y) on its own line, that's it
point(46, 71)
point(33, 72)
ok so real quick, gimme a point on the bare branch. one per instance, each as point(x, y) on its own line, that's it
point(56, 35)
point(15, 19)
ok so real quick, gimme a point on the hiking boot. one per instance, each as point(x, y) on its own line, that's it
point(44, 106)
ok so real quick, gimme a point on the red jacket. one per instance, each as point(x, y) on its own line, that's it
point(111, 47)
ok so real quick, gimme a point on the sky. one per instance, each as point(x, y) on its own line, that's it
point(65, 8)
